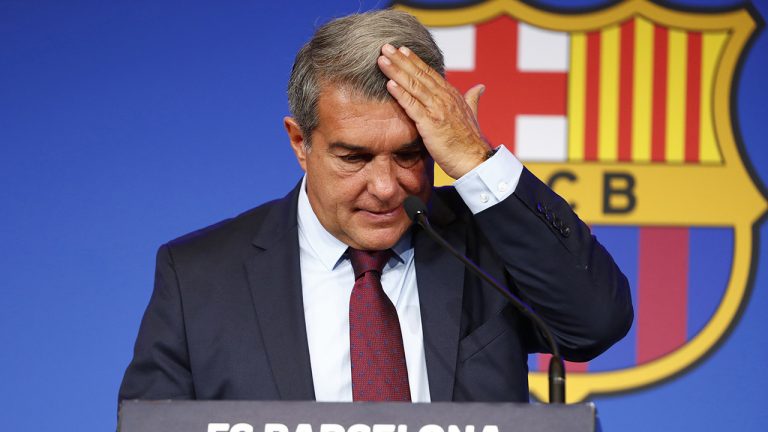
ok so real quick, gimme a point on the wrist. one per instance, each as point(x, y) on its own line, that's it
point(489, 154)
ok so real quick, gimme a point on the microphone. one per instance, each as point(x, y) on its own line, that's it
point(417, 211)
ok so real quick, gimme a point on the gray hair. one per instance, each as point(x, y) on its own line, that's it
point(343, 53)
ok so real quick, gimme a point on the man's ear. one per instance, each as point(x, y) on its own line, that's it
point(296, 136)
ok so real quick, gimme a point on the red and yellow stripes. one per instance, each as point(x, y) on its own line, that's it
point(640, 92)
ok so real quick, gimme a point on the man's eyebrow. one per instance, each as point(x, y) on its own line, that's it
point(416, 144)
point(345, 146)
point(413, 145)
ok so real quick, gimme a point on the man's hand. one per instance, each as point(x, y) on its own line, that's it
point(446, 120)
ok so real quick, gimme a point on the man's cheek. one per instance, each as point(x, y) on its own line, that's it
point(416, 182)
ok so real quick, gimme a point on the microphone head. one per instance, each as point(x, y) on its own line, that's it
point(414, 206)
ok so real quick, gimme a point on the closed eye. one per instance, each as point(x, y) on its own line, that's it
point(407, 159)
point(356, 158)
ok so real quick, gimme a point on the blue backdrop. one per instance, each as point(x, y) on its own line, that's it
point(124, 124)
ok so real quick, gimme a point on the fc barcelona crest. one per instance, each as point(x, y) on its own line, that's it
point(627, 113)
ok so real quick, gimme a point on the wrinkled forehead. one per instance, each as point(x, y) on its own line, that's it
point(342, 107)
point(369, 92)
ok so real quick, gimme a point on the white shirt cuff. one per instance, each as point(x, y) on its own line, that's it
point(490, 182)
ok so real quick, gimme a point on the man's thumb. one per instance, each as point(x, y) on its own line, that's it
point(472, 97)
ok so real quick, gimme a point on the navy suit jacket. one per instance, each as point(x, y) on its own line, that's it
point(226, 321)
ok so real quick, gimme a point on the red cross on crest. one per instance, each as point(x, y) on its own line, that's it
point(510, 91)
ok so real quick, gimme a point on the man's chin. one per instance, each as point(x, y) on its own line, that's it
point(378, 239)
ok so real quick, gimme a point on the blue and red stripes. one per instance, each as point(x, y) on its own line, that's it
point(678, 276)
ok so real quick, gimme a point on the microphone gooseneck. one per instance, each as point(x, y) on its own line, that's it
point(417, 211)
point(414, 207)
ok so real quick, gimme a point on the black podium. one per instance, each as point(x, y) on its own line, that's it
point(251, 416)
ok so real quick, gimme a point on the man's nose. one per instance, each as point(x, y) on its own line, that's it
point(382, 181)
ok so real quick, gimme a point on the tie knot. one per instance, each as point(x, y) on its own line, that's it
point(365, 261)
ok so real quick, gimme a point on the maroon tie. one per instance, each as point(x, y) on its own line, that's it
point(379, 372)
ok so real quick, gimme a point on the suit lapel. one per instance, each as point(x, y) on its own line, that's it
point(274, 276)
point(440, 279)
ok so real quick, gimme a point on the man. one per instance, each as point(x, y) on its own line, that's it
point(266, 305)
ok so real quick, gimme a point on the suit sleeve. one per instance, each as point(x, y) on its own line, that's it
point(559, 268)
point(160, 367)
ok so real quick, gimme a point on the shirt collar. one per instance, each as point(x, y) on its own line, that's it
point(330, 250)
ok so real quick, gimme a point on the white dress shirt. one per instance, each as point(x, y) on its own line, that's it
point(327, 280)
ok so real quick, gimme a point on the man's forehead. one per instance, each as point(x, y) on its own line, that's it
point(342, 108)
point(343, 94)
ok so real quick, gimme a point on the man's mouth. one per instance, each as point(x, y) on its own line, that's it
point(383, 212)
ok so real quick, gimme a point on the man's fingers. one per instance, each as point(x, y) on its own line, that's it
point(405, 80)
point(412, 107)
point(472, 97)
point(409, 72)
point(420, 65)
